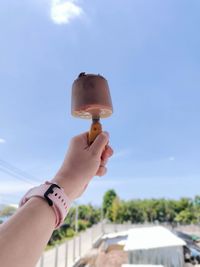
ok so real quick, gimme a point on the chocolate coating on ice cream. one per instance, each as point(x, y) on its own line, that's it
point(91, 97)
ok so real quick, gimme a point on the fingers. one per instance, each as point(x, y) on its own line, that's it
point(99, 144)
point(107, 153)
point(103, 162)
point(80, 139)
point(101, 171)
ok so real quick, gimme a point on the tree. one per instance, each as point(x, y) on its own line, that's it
point(116, 210)
point(135, 211)
point(186, 216)
point(108, 199)
point(196, 207)
point(197, 200)
point(89, 213)
point(70, 219)
point(170, 211)
point(183, 203)
point(149, 210)
point(8, 211)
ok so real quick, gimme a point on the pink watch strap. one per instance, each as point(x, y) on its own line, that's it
point(54, 195)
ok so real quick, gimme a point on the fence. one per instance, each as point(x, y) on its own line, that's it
point(68, 253)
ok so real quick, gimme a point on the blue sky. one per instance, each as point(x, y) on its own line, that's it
point(148, 51)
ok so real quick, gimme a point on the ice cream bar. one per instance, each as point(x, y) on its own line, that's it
point(91, 97)
point(91, 100)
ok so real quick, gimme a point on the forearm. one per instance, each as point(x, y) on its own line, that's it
point(25, 235)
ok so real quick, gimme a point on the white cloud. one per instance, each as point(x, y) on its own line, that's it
point(62, 12)
point(2, 141)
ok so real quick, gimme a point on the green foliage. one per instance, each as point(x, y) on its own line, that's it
point(89, 213)
point(56, 236)
point(115, 210)
point(83, 225)
point(7, 211)
point(135, 211)
point(70, 232)
point(186, 216)
point(69, 220)
point(108, 199)
point(87, 216)
point(183, 203)
point(184, 211)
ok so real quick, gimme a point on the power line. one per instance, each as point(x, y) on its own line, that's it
point(16, 176)
point(17, 173)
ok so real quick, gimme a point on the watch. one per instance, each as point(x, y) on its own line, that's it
point(55, 197)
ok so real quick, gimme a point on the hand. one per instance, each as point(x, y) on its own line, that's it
point(82, 162)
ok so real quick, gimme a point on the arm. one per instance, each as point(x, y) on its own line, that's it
point(25, 235)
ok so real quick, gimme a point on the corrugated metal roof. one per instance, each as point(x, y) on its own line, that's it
point(139, 265)
point(151, 237)
point(114, 235)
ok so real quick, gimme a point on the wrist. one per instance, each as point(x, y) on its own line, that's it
point(72, 184)
point(36, 202)
point(54, 196)
point(65, 181)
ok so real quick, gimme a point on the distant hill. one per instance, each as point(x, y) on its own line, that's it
point(2, 206)
point(6, 211)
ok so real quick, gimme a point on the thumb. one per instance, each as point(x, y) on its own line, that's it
point(99, 144)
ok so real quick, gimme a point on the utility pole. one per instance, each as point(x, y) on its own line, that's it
point(76, 218)
point(102, 217)
point(102, 212)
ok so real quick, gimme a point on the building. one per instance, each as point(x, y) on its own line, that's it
point(154, 245)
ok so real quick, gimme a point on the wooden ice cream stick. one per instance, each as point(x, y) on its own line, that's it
point(95, 130)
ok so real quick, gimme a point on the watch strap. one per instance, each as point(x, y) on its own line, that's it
point(55, 197)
